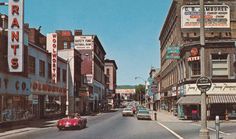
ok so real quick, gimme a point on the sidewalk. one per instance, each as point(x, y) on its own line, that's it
point(165, 116)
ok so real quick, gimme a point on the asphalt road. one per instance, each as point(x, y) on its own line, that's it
point(114, 126)
point(105, 126)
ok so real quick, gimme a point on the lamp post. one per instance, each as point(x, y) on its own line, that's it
point(204, 133)
point(145, 83)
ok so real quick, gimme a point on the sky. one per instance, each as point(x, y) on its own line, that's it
point(128, 29)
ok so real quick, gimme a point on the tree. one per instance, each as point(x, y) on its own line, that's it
point(139, 92)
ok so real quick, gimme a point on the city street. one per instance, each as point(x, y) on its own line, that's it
point(114, 126)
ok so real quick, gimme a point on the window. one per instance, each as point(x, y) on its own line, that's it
point(65, 45)
point(72, 45)
point(58, 74)
point(196, 68)
point(49, 71)
point(31, 67)
point(108, 72)
point(219, 64)
point(64, 75)
point(41, 68)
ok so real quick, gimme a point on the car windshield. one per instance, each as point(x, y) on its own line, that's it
point(127, 109)
point(144, 112)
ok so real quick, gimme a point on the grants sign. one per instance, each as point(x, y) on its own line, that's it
point(15, 35)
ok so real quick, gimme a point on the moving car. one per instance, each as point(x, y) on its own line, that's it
point(127, 112)
point(72, 122)
point(143, 114)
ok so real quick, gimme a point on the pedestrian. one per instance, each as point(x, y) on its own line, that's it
point(194, 115)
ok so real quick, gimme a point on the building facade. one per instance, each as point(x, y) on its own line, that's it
point(111, 82)
point(179, 73)
point(93, 62)
point(77, 101)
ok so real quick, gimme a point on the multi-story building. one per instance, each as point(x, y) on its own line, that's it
point(31, 93)
point(111, 74)
point(93, 61)
point(77, 101)
point(178, 76)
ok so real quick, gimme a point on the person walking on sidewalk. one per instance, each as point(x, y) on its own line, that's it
point(194, 115)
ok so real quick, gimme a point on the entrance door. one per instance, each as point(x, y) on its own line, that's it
point(41, 106)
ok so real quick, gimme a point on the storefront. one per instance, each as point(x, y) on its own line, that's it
point(14, 98)
point(48, 99)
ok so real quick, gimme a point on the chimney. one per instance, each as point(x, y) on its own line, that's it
point(78, 32)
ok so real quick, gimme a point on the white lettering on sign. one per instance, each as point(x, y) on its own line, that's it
point(52, 48)
point(15, 35)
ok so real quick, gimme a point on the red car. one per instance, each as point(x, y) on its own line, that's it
point(72, 122)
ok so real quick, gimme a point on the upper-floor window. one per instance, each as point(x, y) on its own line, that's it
point(49, 71)
point(65, 45)
point(219, 64)
point(72, 45)
point(31, 67)
point(58, 74)
point(196, 68)
point(108, 71)
point(64, 75)
point(41, 68)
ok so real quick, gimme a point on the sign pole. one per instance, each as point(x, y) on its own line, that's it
point(204, 133)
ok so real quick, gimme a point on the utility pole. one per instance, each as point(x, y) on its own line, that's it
point(204, 133)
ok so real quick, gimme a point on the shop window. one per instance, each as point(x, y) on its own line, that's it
point(196, 68)
point(41, 68)
point(58, 74)
point(64, 75)
point(31, 67)
point(49, 71)
point(219, 64)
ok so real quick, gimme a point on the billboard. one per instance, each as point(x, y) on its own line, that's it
point(216, 16)
point(83, 42)
point(15, 35)
point(52, 48)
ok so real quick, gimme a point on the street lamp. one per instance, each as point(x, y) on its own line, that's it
point(145, 84)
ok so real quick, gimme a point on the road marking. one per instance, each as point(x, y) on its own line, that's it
point(171, 131)
point(212, 129)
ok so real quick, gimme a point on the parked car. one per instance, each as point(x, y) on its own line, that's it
point(127, 112)
point(72, 122)
point(143, 114)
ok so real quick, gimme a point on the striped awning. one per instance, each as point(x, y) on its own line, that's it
point(212, 99)
point(217, 99)
point(189, 100)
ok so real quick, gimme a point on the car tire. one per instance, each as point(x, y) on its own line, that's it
point(59, 128)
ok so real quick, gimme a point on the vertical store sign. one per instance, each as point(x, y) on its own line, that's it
point(52, 48)
point(15, 35)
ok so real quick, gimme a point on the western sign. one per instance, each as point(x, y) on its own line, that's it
point(15, 35)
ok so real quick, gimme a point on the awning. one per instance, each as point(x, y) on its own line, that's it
point(217, 99)
point(189, 100)
point(212, 99)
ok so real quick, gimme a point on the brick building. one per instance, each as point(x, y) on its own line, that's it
point(178, 77)
point(93, 62)
point(111, 73)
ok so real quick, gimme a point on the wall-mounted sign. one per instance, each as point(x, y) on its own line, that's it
point(15, 35)
point(216, 16)
point(83, 42)
point(194, 55)
point(52, 48)
point(43, 88)
point(173, 53)
point(17, 85)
